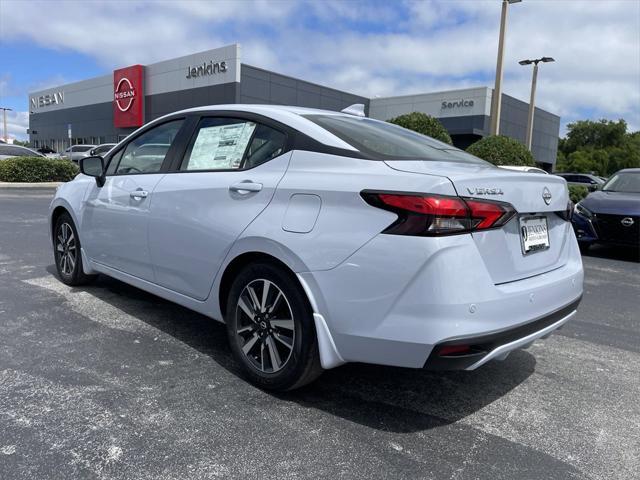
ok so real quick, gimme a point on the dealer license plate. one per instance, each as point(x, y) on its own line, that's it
point(534, 234)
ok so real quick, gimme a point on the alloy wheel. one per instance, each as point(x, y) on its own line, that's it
point(66, 249)
point(265, 326)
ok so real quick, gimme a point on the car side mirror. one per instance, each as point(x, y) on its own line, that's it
point(93, 167)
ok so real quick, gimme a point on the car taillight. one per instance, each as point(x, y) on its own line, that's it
point(568, 213)
point(432, 215)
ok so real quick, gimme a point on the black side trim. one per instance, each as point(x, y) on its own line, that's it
point(483, 344)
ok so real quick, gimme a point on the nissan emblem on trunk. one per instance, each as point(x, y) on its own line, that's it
point(546, 195)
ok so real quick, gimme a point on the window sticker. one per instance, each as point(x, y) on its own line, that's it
point(220, 147)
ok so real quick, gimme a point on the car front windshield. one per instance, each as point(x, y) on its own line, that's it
point(627, 182)
point(385, 141)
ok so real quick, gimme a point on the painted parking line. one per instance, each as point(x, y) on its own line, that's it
point(86, 303)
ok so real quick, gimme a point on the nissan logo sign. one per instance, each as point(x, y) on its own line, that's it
point(627, 221)
point(124, 94)
point(546, 195)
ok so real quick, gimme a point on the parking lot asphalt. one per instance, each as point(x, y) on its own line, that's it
point(110, 382)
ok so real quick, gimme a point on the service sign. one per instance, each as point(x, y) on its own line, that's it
point(128, 97)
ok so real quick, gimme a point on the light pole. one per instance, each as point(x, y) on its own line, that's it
point(4, 121)
point(496, 100)
point(532, 101)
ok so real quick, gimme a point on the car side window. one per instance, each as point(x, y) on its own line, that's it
point(267, 143)
point(146, 153)
point(232, 144)
point(15, 151)
point(113, 163)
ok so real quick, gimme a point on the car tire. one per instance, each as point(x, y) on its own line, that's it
point(272, 335)
point(66, 250)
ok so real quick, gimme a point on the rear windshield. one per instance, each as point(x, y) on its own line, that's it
point(83, 148)
point(385, 141)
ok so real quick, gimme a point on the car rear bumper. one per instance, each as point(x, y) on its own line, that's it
point(396, 299)
point(498, 345)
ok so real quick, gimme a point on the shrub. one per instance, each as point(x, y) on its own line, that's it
point(501, 150)
point(424, 124)
point(577, 193)
point(37, 169)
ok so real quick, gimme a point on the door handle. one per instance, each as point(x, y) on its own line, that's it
point(244, 188)
point(138, 194)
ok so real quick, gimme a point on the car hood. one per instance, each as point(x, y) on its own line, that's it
point(615, 203)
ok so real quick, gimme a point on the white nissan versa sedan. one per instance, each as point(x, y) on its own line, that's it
point(321, 238)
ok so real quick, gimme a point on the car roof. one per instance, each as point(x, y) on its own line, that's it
point(289, 115)
point(629, 170)
point(18, 146)
point(37, 154)
point(578, 173)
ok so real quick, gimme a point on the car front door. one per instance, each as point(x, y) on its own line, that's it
point(228, 175)
point(115, 216)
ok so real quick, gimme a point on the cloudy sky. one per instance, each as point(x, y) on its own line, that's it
point(367, 47)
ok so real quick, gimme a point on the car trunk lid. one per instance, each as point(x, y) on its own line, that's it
point(531, 194)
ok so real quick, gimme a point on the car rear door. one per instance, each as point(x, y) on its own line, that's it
point(227, 177)
point(115, 216)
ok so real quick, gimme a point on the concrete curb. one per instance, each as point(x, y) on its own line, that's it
point(23, 185)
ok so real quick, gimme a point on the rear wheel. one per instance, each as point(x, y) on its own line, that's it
point(66, 248)
point(270, 328)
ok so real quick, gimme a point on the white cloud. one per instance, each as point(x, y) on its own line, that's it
point(413, 46)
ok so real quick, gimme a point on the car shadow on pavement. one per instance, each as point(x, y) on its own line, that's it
point(628, 254)
point(390, 399)
point(404, 400)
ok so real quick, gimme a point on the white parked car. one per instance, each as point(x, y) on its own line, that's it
point(321, 238)
point(519, 168)
point(76, 152)
point(10, 151)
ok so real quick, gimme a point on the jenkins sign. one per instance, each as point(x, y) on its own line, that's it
point(128, 97)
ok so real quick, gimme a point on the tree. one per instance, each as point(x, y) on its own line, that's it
point(601, 147)
point(591, 134)
point(424, 124)
point(501, 150)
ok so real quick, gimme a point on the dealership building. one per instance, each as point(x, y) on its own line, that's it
point(106, 109)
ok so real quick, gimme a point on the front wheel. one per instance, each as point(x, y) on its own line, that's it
point(270, 328)
point(66, 248)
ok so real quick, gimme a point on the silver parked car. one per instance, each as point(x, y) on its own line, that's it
point(321, 238)
point(10, 151)
point(76, 152)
